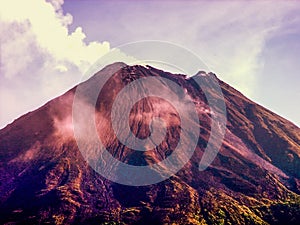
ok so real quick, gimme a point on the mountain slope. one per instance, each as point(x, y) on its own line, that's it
point(255, 178)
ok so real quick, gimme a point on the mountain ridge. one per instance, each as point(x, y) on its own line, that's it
point(254, 179)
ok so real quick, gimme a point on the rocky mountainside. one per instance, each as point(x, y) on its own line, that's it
point(254, 179)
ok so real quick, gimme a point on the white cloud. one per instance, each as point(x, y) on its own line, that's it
point(233, 36)
point(39, 58)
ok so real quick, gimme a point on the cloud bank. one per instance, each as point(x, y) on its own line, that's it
point(39, 57)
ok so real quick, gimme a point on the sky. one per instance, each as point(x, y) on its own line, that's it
point(46, 46)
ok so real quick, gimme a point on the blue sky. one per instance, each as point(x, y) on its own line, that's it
point(47, 46)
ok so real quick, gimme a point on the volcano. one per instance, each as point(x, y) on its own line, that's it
point(45, 178)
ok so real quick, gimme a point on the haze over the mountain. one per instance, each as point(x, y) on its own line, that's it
point(254, 179)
